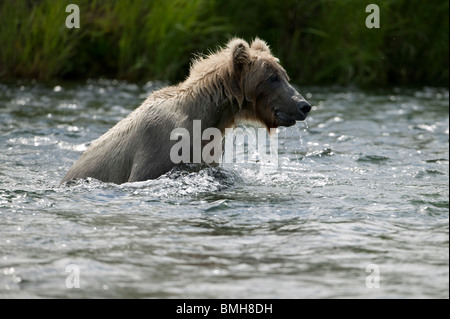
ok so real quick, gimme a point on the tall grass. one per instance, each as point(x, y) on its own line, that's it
point(318, 42)
point(34, 40)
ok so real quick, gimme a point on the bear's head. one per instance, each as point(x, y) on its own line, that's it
point(261, 86)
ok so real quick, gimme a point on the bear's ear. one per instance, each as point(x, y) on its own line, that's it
point(240, 59)
point(260, 45)
point(240, 53)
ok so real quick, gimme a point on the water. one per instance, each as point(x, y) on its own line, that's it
point(360, 200)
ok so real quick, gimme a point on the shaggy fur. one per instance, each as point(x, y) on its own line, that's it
point(241, 82)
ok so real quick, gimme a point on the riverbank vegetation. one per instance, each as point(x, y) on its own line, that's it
point(318, 42)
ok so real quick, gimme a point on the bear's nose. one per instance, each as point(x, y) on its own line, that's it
point(305, 107)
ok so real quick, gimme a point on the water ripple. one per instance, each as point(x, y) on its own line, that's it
point(363, 182)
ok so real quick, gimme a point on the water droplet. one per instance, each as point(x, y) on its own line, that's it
point(8, 271)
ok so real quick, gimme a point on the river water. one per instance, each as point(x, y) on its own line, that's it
point(358, 206)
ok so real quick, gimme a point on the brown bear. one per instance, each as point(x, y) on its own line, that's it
point(240, 82)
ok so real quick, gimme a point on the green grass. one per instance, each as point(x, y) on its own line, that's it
point(318, 42)
point(35, 41)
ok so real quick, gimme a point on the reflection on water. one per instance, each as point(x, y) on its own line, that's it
point(363, 182)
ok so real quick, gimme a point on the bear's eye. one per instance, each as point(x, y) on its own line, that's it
point(274, 78)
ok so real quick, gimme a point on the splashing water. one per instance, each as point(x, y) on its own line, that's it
point(301, 130)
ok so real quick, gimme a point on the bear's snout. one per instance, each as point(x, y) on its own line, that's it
point(304, 108)
point(298, 111)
